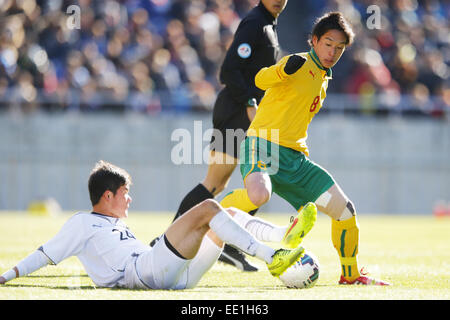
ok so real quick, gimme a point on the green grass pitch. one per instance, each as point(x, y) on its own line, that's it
point(411, 252)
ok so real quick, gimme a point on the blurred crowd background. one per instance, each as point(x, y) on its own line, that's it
point(153, 56)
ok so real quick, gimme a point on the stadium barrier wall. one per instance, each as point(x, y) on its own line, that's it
point(385, 165)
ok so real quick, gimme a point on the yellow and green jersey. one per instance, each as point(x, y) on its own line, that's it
point(290, 101)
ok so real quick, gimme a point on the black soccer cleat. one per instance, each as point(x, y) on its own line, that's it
point(234, 257)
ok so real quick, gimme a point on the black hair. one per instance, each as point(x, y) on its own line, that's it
point(106, 176)
point(332, 21)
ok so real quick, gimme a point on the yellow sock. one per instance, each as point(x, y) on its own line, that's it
point(238, 198)
point(345, 237)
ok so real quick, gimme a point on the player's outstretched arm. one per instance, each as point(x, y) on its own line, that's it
point(31, 263)
point(8, 275)
point(69, 241)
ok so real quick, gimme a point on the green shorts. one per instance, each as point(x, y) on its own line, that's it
point(294, 176)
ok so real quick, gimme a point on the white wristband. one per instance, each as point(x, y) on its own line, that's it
point(9, 275)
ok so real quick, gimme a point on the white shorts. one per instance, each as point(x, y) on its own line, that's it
point(157, 268)
point(161, 268)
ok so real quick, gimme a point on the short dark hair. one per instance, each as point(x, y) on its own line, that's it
point(332, 21)
point(106, 176)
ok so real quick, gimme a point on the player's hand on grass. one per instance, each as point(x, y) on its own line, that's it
point(2, 280)
point(294, 63)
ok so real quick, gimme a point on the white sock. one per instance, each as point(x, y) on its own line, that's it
point(205, 258)
point(261, 229)
point(229, 231)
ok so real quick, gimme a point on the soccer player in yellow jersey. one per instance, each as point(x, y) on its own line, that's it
point(274, 156)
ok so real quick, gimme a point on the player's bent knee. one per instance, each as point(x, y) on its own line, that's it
point(210, 206)
point(258, 196)
point(206, 210)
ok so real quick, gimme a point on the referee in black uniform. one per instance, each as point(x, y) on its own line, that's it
point(255, 45)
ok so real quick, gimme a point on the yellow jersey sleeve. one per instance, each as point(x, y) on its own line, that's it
point(271, 76)
point(290, 102)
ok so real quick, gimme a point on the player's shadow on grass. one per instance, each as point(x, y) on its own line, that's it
point(253, 289)
point(89, 287)
point(232, 289)
point(49, 286)
point(59, 276)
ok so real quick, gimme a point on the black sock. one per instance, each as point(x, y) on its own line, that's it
point(194, 197)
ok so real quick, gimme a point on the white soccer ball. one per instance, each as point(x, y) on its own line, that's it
point(302, 274)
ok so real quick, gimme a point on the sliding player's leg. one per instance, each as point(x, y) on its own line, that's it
point(211, 246)
point(186, 234)
point(261, 229)
point(207, 255)
point(217, 178)
point(220, 169)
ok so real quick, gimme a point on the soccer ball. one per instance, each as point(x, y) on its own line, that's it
point(302, 274)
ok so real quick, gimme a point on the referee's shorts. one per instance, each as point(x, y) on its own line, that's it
point(230, 124)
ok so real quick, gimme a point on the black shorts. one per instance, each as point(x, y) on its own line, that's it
point(228, 114)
